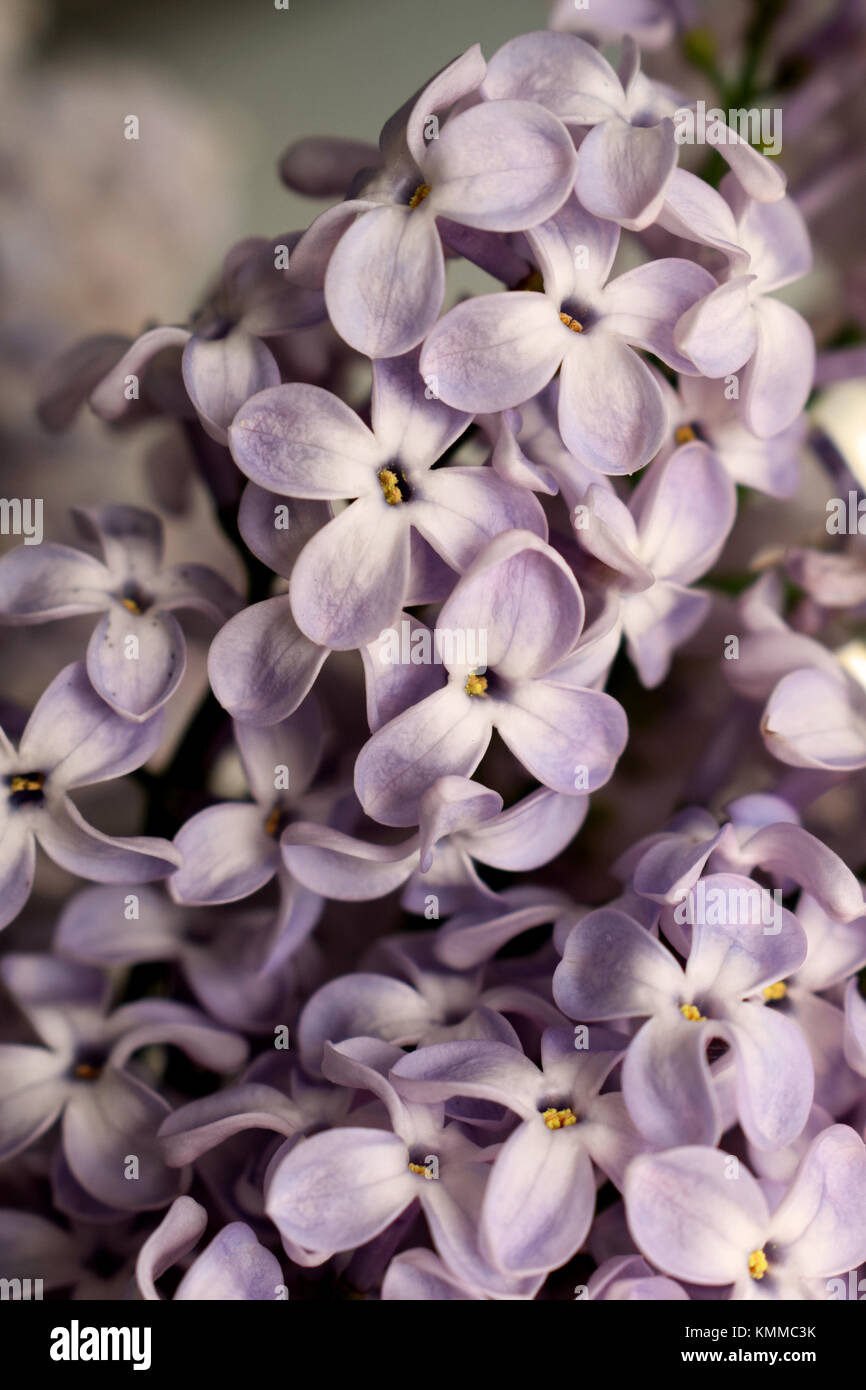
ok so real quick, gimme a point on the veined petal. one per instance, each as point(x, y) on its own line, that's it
point(301, 441)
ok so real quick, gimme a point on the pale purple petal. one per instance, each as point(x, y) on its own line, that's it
point(39, 583)
point(493, 352)
point(227, 854)
point(386, 279)
point(351, 578)
point(261, 666)
point(304, 442)
point(690, 1219)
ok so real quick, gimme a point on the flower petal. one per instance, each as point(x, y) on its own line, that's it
point(447, 733)
point(136, 677)
point(227, 854)
point(779, 376)
point(40, 583)
point(301, 441)
point(612, 415)
point(690, 1219)
point(623, 171)
point(351, 578)
point(260, 665)
point(220, 375)
point(493, 352)
point(386, 279)
point(501, 166)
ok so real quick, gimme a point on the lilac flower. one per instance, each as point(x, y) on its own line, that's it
point(699, 1216)
point(763, 832)
point(224, 358)
point(628, 154)
point(459, 820)
point(480, 929)
point(236, 1134)
point(815, 712)
point(523, 596)
point(232, 1267)
point(72, 740)
point(702, 409)
point(220, 951)
point(135, 594)
point(499, 350)
point(738, 323)
point(431, 1005)
point(82, 1074)
point(497, 167)
point(672, 531)
point(614, 969)
point(352, 577)
point(232, 849)
point(539, 1201)
point(336, 1191)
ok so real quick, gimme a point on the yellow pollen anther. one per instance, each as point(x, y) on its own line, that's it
point(758, 1264)
point(272, 824)
point(417, 1168)
point(419, 195)
point(685, 434)
point(85, 1072)
point(33, 783)
point(692, 1013)
point(131, 604)
point(776, 991)
point(476, 685)
point(574, 324)
point(390, 486)
point(559, 1119)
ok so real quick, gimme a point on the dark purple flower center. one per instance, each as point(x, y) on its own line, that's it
point(88, 1065)
point(134, 598)
point(578, 317)
point(25, 788)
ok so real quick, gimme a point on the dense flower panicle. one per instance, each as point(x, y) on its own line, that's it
point(511, 860)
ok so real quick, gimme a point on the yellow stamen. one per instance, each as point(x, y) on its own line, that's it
point(272, 824)
point(559, 1119)
point(85, 1072)
point(34, 782)
point(692, 1013)
point(685, 434)
point(776, 991)
point(476, 685)
point(419, 195)
point(758, 1264)
point(390, 484)
point(417, 1168)
point(574, 324)
point(131, 604)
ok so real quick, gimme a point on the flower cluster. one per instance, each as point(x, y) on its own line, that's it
point(497, 897)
